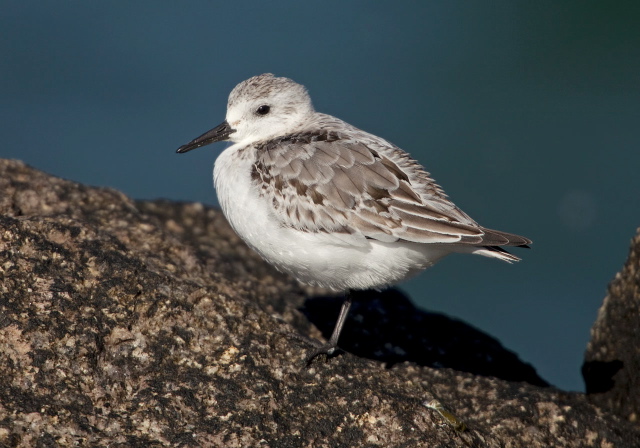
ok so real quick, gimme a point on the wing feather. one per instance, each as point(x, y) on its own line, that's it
point(362, 186)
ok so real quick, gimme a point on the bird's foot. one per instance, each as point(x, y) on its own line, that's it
point(327, 349)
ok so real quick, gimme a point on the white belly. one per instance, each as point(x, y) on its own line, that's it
point(313, 258)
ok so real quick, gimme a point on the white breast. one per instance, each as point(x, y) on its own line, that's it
point(313, 258)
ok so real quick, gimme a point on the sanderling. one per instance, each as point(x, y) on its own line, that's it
point(330, 204)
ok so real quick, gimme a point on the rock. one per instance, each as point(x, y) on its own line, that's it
point(129, 323)
point(611, 369)
point(387, 327)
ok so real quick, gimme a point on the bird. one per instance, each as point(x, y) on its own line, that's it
point(330, 204)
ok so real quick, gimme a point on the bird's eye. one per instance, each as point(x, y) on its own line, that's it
point(263, 110)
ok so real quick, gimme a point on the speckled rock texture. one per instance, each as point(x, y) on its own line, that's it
point(612, 362)
point(142, 324)
point(387, 327)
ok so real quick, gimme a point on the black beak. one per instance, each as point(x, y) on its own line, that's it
point(217, 134)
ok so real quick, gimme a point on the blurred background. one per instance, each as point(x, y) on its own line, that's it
point(527, 113)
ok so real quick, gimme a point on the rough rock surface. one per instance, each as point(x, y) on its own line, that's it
point(387, 327)
point(150, 324)
point(612, 362)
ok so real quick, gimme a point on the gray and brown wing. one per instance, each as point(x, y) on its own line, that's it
point(323, 182)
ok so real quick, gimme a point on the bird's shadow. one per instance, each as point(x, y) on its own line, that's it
point(387, 327)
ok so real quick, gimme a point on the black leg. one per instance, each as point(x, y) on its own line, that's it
point(330, 347)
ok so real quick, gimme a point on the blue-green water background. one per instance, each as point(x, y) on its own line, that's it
point(527, 113)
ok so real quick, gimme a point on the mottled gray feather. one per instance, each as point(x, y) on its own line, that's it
point(326, 181)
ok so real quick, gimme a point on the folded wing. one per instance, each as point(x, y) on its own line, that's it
point(365, 187)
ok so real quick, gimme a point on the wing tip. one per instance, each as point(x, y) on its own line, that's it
point(499, 238)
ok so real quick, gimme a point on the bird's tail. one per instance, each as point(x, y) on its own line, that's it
point(492, 241)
